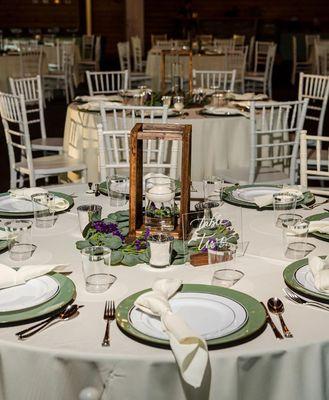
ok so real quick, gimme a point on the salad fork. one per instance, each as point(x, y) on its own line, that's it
point(298, 300)
point(109, 315)
point(314, 205)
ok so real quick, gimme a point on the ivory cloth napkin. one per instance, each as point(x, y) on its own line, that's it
point(26, 193)
point(267, 199)
point(319, 226)
point(99, 98)
point(10, 277)
point(190, 350)
point(320, 271)
point(249, 96)
point(95, 105)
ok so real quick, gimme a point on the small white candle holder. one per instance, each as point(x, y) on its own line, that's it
point(160, 250)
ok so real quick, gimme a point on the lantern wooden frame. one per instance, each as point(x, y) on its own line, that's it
point(142, 132)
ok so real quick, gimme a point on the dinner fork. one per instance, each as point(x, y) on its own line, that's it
point(109, 315)
point(314, 205)
point(298, 300)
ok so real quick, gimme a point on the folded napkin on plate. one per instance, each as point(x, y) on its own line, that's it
point(267, 199)
point(319, 226)
point(95, 105)
point(320, 270)
point(10, 277)
point(225, 110)
point(99, 98)
point(26, 193)
point(189, 349)
point(249, 96)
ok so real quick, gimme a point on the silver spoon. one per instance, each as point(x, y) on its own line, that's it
point(69, 312)
point(276, 306)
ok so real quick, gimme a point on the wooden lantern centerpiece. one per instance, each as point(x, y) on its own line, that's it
point(138, 135)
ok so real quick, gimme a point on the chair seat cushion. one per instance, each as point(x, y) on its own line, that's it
point(52, 165)
point(265, 175)
point(49, 143)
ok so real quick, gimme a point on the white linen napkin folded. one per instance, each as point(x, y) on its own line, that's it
point(320, 270)
point(225, 110)
point(26, 193)
point(10, 277)
point(267, 199)
point(99, 98)
point(249, 96)
point(190, 350)
point(319, 226)
point(95, 105)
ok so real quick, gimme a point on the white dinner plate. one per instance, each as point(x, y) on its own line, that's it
point(221, 111)
point(31, 294)
point(11, 204)
point(249, 194)
point(209, 315)
point(305, 278)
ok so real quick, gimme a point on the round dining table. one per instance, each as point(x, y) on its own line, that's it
point(218, 142)
point(62, 361)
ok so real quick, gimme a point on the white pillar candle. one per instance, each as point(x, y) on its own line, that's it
point(160, 194)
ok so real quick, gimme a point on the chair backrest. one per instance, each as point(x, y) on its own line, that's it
point(124, 56)
point(98, 50)
point(31, 89)
point(321, 50)
point(319, 168)
point(238, 40)
point(275, 129)
point(223, 44)
point(261, 55)
point(316, 89)
point(165, 44)
point(294, 57)
point(31, 62)
point(309, 44)
point(88, 42)
point(64, 55)
point(106, 82)
point(224, 80)
point(113, 136)
point(155, 38)
point(136, 46)
point(269, 64)
point(14, 120)
point(236, 60)
point(251, 50)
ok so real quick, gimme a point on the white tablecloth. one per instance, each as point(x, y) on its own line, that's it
point(217, 142)
point(62, 360)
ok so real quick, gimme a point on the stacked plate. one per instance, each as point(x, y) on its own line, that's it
point(35, 299)
point(221, 316)
point(320, 217)
point(244, 196)
point(299, 278)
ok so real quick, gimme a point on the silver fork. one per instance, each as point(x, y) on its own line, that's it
point(314, 205)
point(109, 315)
point(298, 300)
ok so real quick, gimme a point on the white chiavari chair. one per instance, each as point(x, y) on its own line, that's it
point(238, 41)
point(106, 82)
point(309, 44)
point(274, 139)
point(224, 80)
point(297, 65)
point(223, 45)
point(321, 51)
point(31, 62)
point(261, 82)
point(251, 50)
point(94, 63)
point(113, 136)
point(155, 38)
point(136, 45)
point(164, 44)
point(237, 60)
point(261, 54)
point(31, 89)
point(16, 127)
point(124, 58)
point(316, 89)
point(314, 162)
point(88, 43)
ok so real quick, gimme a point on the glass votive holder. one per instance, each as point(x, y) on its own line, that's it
point(160, 246)
point(295, 239)
point(226, 277)
point(88, 213)
point(96, 261)
point(19, 239)
point(138, 99)
point(218, 253)
point(44, 210)
point(283, 203)
point(218, 100)
point(117, 189)
point(178, 102)
point(166, 101)
point(213, 189)
point(288, 219)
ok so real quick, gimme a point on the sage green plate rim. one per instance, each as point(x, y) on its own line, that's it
point(64, 296)
point(229, 198)
point(3, 245)
point(103, 187)
point(289, 276)
point(254, 325)
point(28, 214)
point(319, 217)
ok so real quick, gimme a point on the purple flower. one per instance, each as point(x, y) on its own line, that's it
point(107, 228)
point(226, 223)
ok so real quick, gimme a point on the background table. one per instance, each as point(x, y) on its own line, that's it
point(217, 142)
point(62, 360)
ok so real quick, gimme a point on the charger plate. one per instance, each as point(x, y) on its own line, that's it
point(65, 295)
point(319, 217)
point(231, 197)
point(299, 278)
point(244, 319)
point(3, 245)
point(4, 197)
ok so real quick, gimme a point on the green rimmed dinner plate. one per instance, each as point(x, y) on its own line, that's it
point(291, 277)
point(3, 245)
point(29, 214)
point(64, 296)
point(228, 197)
point(255, 322)
point(319, 217)
point(103, 188)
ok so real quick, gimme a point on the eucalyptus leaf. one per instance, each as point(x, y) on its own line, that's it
point(179, 247)
point(82, 244)
point(144, 257)
point(179, 261)
point(123, 224)
point(116, 257)
point(113, 242)
point(124, 231)
point(112, 217)
point(130, 260)
point(124, 213)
